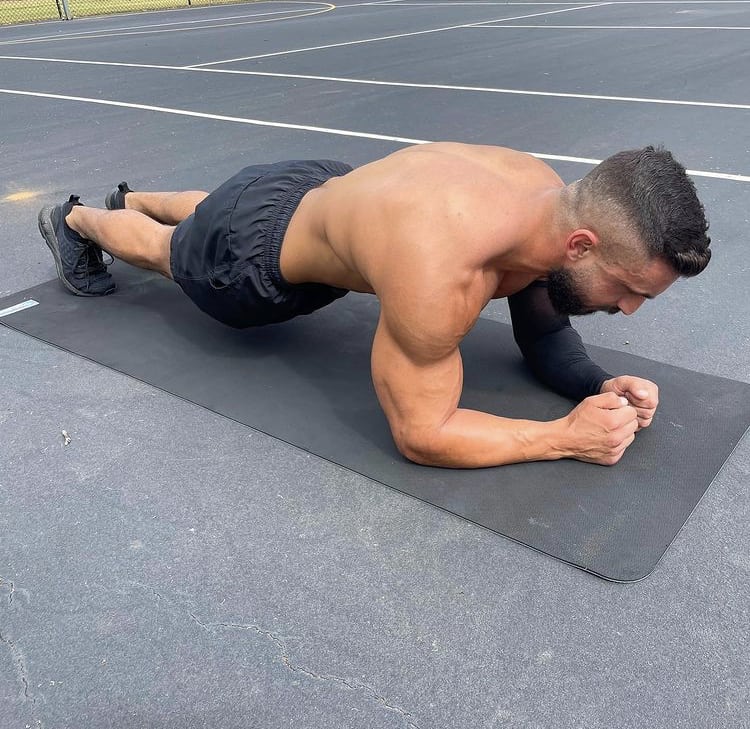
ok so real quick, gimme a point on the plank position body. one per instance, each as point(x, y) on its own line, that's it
point(436, 232)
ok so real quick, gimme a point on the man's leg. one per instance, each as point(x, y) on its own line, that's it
point(126, 234)
point(139, 233)
point(169, 208)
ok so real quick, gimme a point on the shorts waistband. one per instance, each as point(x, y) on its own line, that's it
point(284, 212)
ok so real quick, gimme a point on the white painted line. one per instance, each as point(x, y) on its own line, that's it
point(454, 4)
point(398, 84)
point(103, 32)
point(479, 3)
point(373, 2)
point(536, 15)
point(621, 27)
point(200, 21)
point(323, 130)
point(216, 117)
point(386, 37)
point(206, 25)
point(193, 10)
point(18, 307)
point(572, 2)
point(547, 2)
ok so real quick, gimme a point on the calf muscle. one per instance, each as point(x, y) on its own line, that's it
point(126, 234)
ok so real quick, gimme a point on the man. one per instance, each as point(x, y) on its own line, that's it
point(436, 232)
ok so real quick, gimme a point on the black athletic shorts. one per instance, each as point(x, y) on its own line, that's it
point(225, 256)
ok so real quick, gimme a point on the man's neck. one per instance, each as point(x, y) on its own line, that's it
point(541, 247)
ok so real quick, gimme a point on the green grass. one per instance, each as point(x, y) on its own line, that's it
point(26, 11)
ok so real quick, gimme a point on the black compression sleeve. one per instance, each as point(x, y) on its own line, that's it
point(551, 347)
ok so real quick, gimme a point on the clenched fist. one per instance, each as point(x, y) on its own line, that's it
point(600, 428)
point(642, 394)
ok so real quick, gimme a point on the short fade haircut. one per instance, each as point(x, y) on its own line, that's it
point(653, 192)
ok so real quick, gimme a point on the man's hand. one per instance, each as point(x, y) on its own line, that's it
point(642, 394)
point(600, 428)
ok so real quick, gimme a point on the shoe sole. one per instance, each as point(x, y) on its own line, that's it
point(109, 201)
point(48, 233)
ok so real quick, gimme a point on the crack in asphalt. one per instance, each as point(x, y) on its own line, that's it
point(19, 661)
point(287, 661)
point(409, 723)
point(21, 669)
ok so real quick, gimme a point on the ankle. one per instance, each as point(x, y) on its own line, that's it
point(73, 220)
point(129, 201)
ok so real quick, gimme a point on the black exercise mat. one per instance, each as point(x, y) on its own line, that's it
point(307, 382)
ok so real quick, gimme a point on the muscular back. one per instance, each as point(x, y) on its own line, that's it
point(443, 216)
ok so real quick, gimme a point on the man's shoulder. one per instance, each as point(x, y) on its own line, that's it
point(440, 171)
point(499, 159)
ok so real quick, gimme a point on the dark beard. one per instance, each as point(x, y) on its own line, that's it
point(564, 295)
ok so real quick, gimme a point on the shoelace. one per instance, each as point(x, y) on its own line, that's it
point(91, 263)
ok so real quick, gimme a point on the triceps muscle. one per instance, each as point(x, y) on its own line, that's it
point(418, 392)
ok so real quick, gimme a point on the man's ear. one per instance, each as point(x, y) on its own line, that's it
point(580, 243)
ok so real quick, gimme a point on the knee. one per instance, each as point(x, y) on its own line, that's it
point(163, 246)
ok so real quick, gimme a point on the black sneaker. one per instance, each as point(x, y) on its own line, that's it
point(116, 199)
point(80, 264)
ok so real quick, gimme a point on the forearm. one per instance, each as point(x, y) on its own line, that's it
point(561, 362)
point(472, 439)
point(553, 350)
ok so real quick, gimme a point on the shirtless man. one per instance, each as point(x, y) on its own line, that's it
point(436, 232)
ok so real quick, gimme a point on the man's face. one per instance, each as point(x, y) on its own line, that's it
point(597, 285)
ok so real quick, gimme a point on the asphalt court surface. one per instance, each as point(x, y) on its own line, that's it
point(304, 592)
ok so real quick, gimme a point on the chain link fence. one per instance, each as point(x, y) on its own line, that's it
point(29, 11)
